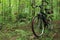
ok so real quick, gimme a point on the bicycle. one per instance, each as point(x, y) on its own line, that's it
point(39, 22)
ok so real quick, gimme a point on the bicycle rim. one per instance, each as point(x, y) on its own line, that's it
point(51, 25)
point(37, 27)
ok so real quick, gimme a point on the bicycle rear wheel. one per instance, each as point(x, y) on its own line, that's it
point(37, 26)
point(51, 25)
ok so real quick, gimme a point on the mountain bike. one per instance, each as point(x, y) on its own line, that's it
point(40, 22)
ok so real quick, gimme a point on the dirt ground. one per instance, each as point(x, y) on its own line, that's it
point(57, 29)
point(54, 35)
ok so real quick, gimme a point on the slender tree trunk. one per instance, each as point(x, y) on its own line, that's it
point(10, 9)
point(33, 4)
point(3, 11)
point(19, 6)
point(9, 6)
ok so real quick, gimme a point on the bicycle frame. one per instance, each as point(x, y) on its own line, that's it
point(41, 16)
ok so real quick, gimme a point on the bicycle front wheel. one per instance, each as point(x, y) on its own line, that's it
point(37, 26)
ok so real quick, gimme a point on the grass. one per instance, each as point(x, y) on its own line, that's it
point(22, 32)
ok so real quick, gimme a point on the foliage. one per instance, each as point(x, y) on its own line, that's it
point(17, 13)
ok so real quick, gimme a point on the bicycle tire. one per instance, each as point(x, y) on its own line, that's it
point(39, 26)
point(51, 25)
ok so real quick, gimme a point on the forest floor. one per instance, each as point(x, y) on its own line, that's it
point(25, 33)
